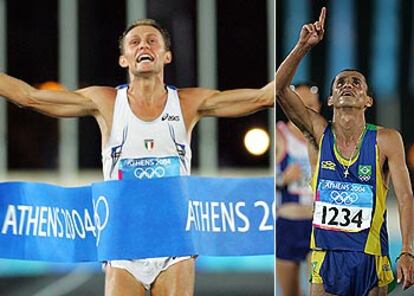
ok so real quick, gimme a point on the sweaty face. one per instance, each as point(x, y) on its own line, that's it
point(350, 90)
point(144, 51)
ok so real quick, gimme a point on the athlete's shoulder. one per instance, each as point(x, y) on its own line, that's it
point(196, 92)
point(387, 133)
point(103, 97)
point(98, 92)
point(194, 97)
point(389, 140)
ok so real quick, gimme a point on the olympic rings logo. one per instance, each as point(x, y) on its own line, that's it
point(100, 224)
point(343, 198)
point(149, 173)
point(364, 178)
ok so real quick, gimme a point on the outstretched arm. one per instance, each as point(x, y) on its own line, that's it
point(308, 121)
point(234, 103)
point(51, 102)
point(391, 144)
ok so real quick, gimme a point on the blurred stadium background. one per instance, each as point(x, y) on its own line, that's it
point(373, 36)
point(53, 43)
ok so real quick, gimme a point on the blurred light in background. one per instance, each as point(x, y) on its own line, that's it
point(50, 85)
point(410, 157)
point(257, 141)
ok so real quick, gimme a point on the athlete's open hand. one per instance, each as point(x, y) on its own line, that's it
point(311, 34)
point(405, 270)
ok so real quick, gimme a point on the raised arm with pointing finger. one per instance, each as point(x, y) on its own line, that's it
point(310, 122)
point(352, 164)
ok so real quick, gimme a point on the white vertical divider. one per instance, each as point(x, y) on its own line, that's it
point(136, 9)
point(271, 25)
point(3, 103)
point(207, 77)
point(68, 76)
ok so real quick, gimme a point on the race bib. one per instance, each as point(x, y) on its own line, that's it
point(149, 167)
point(343, 206)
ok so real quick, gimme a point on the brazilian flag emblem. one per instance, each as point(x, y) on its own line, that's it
point(364, 172)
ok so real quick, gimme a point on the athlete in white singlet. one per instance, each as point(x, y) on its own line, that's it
point(146, 129)
point(140, 149)
point(147, 149)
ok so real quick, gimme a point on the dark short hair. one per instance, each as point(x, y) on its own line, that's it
point(146, 22)
point(369, 92)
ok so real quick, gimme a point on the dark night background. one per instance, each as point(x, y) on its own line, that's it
point(33, 57)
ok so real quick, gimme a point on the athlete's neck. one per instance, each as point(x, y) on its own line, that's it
point(348, 124)
point(147, 90)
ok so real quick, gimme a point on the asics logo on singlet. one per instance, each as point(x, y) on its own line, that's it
point(170, 117)
point(343, 198)
point(149, 173)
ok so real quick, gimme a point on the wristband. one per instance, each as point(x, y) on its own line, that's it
point(402, 254)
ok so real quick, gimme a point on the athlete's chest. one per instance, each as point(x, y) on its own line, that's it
point(157, 137)
point(347, 150)
point(156, 149)
point(147, 111)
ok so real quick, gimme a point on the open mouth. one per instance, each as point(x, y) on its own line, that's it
point(144, 58)
point(347, 93)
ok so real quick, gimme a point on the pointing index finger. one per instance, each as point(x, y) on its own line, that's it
point(322, 17)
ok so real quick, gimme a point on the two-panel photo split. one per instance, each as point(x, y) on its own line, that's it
point(206, 147)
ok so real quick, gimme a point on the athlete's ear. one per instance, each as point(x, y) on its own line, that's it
point(122, 61)
point(370, 102)
point(168, 57)
point(330, 101)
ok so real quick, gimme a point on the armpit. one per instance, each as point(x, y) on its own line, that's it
point(311, 139)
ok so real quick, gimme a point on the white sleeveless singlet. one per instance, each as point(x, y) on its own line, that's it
point(138, 149)
point(297, 153)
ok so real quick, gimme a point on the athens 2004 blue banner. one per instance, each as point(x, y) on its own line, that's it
point(137, 219)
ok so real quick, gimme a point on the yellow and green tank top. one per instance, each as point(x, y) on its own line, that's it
point(350, 198)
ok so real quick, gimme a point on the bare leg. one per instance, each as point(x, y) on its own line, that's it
point(287, 273)
point(308, 270)
point(379, 291)
point(178, 280)
point(119, 282)
point(318, 290)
